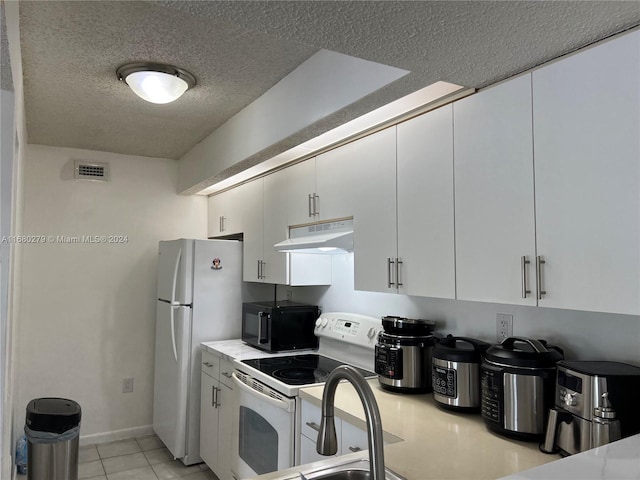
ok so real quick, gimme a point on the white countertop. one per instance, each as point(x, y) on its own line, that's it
point(616, 461)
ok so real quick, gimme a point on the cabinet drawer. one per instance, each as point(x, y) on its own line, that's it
point(226, 369)
point(210, 364)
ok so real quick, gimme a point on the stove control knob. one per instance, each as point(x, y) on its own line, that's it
point(324, 322)
point(570, 400)
point(371, 333)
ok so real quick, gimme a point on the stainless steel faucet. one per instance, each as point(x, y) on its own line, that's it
point(328, 443)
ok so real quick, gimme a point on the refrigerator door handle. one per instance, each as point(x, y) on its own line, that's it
point(173, 288)
point(173, 334)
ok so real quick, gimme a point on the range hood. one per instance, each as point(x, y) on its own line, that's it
point(321, 238)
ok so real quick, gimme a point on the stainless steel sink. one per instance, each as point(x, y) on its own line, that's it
point(353, 470)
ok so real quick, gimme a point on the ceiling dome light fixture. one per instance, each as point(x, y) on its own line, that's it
point(156, 82)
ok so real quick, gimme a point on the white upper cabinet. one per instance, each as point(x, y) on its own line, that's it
point(275, 264)
point(586, 111)
point(253, 238)
point(301, 192)
point(494, 202)
point(265, 224)
point(372, 196)
point(425, 205)
point(225, 214)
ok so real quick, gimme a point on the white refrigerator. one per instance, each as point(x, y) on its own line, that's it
point(199, 299)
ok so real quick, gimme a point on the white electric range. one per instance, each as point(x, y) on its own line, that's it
point(264, 440)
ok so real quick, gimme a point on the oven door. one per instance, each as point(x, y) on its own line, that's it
point(264, 440)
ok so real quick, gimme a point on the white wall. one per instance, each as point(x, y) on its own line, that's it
point(582, 335)
point(7, 133)
point(88, 310)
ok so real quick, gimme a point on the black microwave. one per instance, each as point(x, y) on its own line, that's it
point(277, 326)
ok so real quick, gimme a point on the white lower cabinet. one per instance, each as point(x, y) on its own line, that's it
point(217, 408)
point(350, 437)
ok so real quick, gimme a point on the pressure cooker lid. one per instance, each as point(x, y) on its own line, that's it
point(407, 326)
point(460, 349)
point(524, 352)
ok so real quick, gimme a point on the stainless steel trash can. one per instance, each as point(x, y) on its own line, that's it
point(53, 431)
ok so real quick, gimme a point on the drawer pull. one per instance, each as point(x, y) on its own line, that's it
point(226, 374)
point(208, 364)
point(355, 449)
point(313, 425)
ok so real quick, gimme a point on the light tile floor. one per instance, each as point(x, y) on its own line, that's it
point(142, 458)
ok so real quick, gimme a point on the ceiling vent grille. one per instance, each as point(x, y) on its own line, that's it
point(92, 171)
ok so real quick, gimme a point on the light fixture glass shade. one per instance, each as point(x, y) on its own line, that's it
point(156, 87)
point(155, 82)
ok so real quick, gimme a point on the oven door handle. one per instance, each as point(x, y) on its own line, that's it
point(282, 404)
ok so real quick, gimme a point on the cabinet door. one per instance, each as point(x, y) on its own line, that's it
point(586, 112)
point(337, 174)
point(425, 205)
point(301, 183)
point(208, 421)
point(225, 213)
point(494, 211)
point(354, 439)
point(308, 451)
point(275, 228)
point(372, 194)
point(253, 239)
point(227, 408)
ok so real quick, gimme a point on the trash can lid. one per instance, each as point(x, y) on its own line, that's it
point(55, 415)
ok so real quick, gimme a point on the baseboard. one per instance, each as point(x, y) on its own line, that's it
point(116, 435)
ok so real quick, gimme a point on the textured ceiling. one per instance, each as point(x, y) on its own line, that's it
point(6, 82)
point(239, 49)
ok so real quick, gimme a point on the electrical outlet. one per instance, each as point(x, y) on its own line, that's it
point(127, 385)
point(289, 295)
point(504, 326)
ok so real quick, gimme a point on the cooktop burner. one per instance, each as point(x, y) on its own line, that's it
point(299, 369)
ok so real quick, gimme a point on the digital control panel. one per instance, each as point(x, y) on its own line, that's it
point(389, 362)
point(444, 381)
point(346, 327)
point(349, 327)
point(491, 385)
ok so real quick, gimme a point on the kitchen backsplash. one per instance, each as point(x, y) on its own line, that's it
point(582, 335)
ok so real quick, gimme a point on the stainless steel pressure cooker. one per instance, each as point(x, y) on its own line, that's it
point(403, 354)
point(517, 386)
point(456, 372)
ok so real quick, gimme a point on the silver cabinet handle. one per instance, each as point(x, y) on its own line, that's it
point(213, 397)
point(261, 274)
point(523, 271)
point(398, 263)
point(208, 364)
point(313, 425)
point(311, 205)
point(539, 289)
point(222, 223)
point(316, 210)
point(226, 374)
point(390, 262)
point(355, 449)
